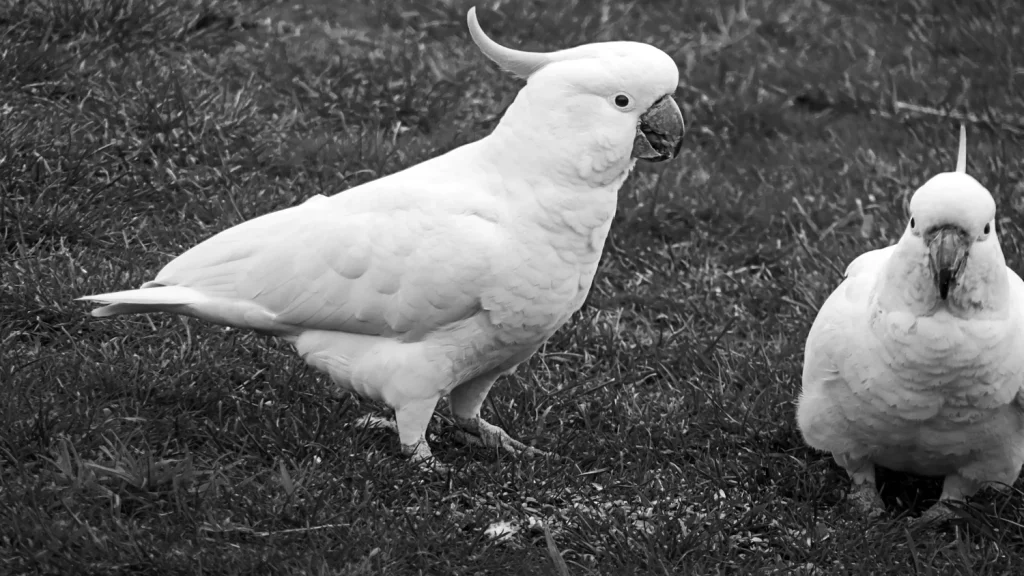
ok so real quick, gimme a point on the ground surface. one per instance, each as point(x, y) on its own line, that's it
point(130, 130)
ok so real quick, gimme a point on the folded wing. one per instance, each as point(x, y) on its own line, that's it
point(835, 331)
point(397, 272)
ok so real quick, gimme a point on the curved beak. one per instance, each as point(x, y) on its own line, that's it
point(947, 248)
point(659, 136)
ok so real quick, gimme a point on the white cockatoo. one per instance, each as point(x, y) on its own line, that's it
point(916, 361)
point(438, 279)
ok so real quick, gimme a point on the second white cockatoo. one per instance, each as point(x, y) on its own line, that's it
point(440, 278)
point(916, 361)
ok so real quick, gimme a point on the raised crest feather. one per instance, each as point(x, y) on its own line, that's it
point(519, 62)
point(961, 157)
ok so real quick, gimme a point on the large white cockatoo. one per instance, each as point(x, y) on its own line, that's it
point(916, 361)
point(440, 278)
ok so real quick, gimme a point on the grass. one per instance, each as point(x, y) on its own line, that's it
point(133, 129)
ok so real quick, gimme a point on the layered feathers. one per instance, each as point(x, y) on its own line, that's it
point(440, 278)
point(899, 375)
point(925, 394)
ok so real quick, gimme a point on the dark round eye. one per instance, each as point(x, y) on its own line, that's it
point(987, 228)
point(911, 222)
point(622, 100)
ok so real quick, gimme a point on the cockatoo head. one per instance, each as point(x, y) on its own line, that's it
point(952, 226)
point(611, 99)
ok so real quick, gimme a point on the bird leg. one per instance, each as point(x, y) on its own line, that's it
point(418, 452)
point(466, 401)
point(864, 494)
point(412, 420)
point(955, 488)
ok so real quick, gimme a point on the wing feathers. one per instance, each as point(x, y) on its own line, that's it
point(320, 266)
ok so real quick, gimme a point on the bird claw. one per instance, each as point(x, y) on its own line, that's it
point(478, 432)
point(420, 455)
point(374, 421)
point(866, 499)
point(471, 439)
point(433, 465)
point(938, 514)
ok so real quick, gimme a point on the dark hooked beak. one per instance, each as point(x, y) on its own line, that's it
point(947, 247)
point(659, 136)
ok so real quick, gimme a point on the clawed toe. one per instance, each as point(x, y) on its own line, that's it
point(420, 455)
point(435, 466)
point(867, 501)
point(473, 432)
point(514, 447)
point(938, 514)
point(477, 432)
point(374, 421)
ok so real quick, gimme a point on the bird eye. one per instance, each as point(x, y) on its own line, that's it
point(622, 100)
point(911, 222)
point(987, 228)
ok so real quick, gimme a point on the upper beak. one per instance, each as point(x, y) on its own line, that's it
point(947, 247)
point(659, 136)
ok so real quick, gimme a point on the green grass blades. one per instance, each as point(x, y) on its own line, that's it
point(133, 129)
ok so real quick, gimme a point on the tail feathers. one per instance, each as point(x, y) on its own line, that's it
point(155, 299)
point(225, 311)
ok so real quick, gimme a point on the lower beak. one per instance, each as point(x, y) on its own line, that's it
point(659, 136)
point(947, 248)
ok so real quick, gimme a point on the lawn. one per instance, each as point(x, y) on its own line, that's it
point(133, 129)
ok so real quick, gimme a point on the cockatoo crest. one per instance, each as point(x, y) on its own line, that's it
point(953, 198)
point(631, 62)
point(594, 97)
point(951, 236)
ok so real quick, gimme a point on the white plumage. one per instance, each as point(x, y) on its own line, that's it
point(438, 279)
point(916, 361)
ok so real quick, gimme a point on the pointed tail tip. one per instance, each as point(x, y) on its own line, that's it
point(961, 157)
point(101, 312)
